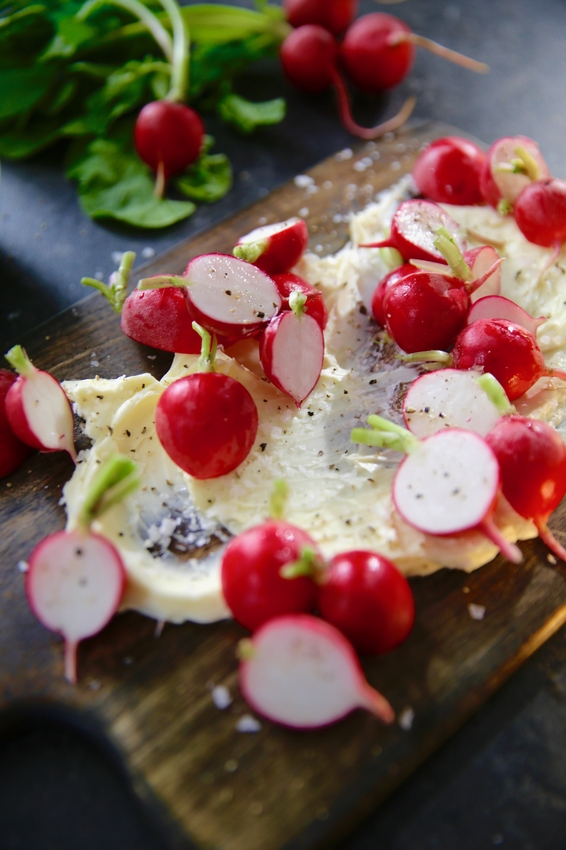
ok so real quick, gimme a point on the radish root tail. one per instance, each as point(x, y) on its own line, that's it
point(368, 133)
point(439, 50)
point(549, 540)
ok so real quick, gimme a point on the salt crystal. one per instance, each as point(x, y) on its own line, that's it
point(406, 719)
point(551, 559)
point(303, 180)
point(148, 252)
point(23, 566)
point(476, 612)
point(117, 257)
point(94, 364)
point(221, 697)
point(347, 153)
point(303, 212)
point(261, 221)
point(247, 723)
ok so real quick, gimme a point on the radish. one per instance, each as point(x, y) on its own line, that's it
point(511, 163)
point(424, 311)
point(448, 171)
point(206, 421)
point(540, 213)
point(480, 261)
point(333, 15)
point(13, 451)
point(378, 52)
point(37, 408)
point(448, 482)
point(385, 284)
point(498, 307)
point(160, 318)
point(291, 350)
point(365, 596)
point(252, 584)
point(309, 56)
point(117, 289)
point(532, 457)
point(75, 579)
point(450, 398)
point(302, 672)
point(274, 248)
point(314, 304)
point(225, 295)
point(414, 230)
point(168, 137)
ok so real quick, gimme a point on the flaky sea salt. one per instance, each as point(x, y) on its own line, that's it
point(406, 719)
point(221, 697)
point(247, 723)
point(476, 612)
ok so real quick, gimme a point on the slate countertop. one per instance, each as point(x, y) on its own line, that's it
point(500, 781)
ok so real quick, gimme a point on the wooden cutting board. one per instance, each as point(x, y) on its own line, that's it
point(275, 788)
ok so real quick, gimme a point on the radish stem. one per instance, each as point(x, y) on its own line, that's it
point(117, 289)
point(116, 479)
point(278, 499)
point(162, 281)
point(507, 549)
point(385, 434)
point(439, 50)
point(138, 10)
point(18, 358)
point(208, 350)
point(495, 392)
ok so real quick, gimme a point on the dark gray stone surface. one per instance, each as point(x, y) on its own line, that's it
point(501, 781)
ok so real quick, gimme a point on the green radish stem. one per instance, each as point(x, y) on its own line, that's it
point(117, 478)
point(452, 254)
point(162, 281)
point(117, 289)
point(250, 251)
point(278, 499)
point(208, 350)
point(297, 301)
point(18, 358)
point(385, 435)
point(433, 356)
point(525, 163)
point(138, 10)
point(307, 565)
point(496, 394)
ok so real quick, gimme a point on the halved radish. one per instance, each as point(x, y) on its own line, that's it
point(302, 672)
point(13, 451)
point(448, 398)
point(448, 483)
point(511, 163)
point(414, 229)
point(274, 248)
point(291, 351)
point(480, 261)
point(38, 410)
point(498, 307)
point(75, 579)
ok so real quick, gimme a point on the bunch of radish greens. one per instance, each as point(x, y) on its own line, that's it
point(81, 72)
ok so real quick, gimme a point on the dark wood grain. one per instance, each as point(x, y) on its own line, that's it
point(276, 788)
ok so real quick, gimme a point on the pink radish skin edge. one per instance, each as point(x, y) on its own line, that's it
point(284, 247)
point(368, 697)
point(49, 552)
point(480, 260)
point(499, 307)
point(19, 421)
point(13, 451)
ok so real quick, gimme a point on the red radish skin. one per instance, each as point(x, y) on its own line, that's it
point(498, 307)
point(309, 56)
point(505, 175)
point(314, 305)
point(480, 261)
point(228, 296)
point(37, 408)
point(532, 458)
point(301, 672)
point(385, 284)
point(291, 351)
point(13, 451)
point(335, 16)
point(207, 423)
point(425, 311)
point(365, 596)
point(252, 584)
point(540, 212)
point(378, 52)
point(168, 136)
point(274, 248)
point(74, 584)
point(448, 171)
point(159, 318)
point(414, 228)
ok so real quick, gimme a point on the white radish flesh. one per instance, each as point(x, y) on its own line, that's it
point(499, 307)
point(480, 260)
point(229, 296)
point(416, 224)
point(74, 585)
point(448, 398)
point(292, 352)
point(302, 672)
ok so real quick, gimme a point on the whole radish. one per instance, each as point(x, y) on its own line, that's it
point(365, 596)
point(13, 451)
point(291, 350)
point(424, 311)
point(333, 15)
point(168, 137)
point(540, 212)
point(252, 584)
point(37, 408)
point(274, 248)
point(378, 52)
point(532, 458)
point(206, 421)
point(511, 163)
point(309, 56)
point(75, 579)
point(385, 284)
point(448, 171)
point(448, 483)
point(302, 672)
point(314, 305)
point(414, 231)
